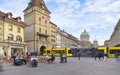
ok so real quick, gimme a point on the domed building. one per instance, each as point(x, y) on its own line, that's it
point(85, 36)
point(85, 40)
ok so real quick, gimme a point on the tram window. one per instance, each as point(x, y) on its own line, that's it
point(118, 51)
point(48, 51)
point(69, 51)
point(56, 52)
point(44, 51)
point(101, 51)
point(112, 51)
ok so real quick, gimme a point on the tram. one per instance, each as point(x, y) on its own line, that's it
point(85, 52)
point(112, 51)
point(102, 50)
point(70, 52)
point(57, 51)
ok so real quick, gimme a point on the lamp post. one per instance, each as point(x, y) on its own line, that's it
point(37, 43)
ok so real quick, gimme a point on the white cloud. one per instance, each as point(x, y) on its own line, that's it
point(14, 6)
point(113, 7)
point(98, 14)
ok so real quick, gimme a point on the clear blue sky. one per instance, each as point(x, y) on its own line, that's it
point(99, 17)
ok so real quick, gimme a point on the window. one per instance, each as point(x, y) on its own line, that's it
point(46, 39)
point(39, 18)
point(0, 38)
point(18, 38)
point(18, 30)
point(45, 21)
point(69, 51)
point(40, 30)
point(46, 31)
point(10, 37)
point(1, 22)
point(0, 31)
point(39, 38)
point(10, 27)
point(39, 21)
point(48, 51)
point(52, 40)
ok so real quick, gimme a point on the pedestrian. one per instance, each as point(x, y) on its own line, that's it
point(99, 56)
point(96, 55)
point(117, 56)
point(105, 56)
point(79, 55)
point(61, 59)
point(64, 58)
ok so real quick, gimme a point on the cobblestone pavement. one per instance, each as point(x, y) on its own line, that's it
point(84, 66)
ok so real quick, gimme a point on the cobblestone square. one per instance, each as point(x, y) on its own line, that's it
point(84, 66)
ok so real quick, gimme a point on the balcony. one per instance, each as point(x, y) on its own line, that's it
point(42, 34)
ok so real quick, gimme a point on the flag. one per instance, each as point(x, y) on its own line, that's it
point(43, 17)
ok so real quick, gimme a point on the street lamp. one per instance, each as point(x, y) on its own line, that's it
point(37, 44)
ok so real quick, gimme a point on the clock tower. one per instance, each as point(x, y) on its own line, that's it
point(37, 34)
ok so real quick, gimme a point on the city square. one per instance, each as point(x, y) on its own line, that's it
point(84, 66)
point(59, 37)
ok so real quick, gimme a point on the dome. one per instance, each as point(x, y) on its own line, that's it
point(84, 36)
point(85, 33)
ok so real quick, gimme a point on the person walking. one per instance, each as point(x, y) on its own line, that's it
point(61, 59)
point(79, 55)
point(105, 56)
point(99, 55)
point(96, 55)
point(117, 56)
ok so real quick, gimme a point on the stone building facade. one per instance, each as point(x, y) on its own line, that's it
point(53, 34)
point(12, 34)
point(115, 38)
point(40, 28)
point(64, 39)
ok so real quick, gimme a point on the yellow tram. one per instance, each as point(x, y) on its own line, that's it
point(112, 51)
point(102, 50)
point(57, 51)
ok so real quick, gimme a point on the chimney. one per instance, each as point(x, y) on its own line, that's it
point(18, 18)
point(9, 14)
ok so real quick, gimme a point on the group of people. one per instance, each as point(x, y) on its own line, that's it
point(19, 59)
point(101, 56)
point(50, 59)
point(63, 58)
